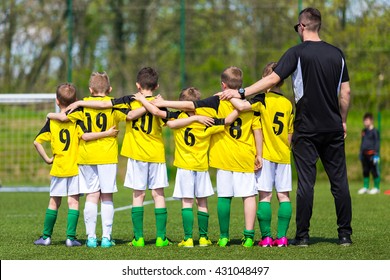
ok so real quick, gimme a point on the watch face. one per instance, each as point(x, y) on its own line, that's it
point(241, 90)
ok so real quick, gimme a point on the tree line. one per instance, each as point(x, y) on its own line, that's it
point(188, 42)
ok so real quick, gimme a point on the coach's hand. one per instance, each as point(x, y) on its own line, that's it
point(229, 94)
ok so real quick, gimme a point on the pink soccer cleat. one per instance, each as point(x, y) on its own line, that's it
point(281, 242)
point(266, 242)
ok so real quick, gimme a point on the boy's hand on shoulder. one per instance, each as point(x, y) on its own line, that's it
point(207, 121)
point(158, 101)
point(72, 107)
point(138, 96)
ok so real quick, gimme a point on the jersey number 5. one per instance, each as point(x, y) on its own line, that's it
point(278, 127)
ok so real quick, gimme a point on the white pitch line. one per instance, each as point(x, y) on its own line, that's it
point(145, 203)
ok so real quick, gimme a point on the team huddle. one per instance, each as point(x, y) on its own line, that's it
point(247, 141)
point(253, 136)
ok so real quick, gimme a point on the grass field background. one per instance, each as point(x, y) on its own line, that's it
point(23, 213)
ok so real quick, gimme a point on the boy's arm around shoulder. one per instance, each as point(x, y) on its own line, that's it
point(183, 122)
point(89, 136)
point(62, 117)
point(154, 110)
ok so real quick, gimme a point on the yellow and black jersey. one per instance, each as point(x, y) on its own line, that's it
point(64, 141)
point(233, 150)
point(103, 150)
point(277, 123)
point(192, 143)
point(143, 139)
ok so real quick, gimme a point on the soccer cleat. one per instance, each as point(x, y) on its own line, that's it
point(266, 242)
point(43, 242)
point(204, 242)
point(91, 242)
point(247, 242)
point(223, 242)
point(162, 242)
point(107, 243)
point(189, 243)
point(281, 242)
point(72, 243)
point(374, 191)
point(345, 241)
point(300, 242)
point(138, 243)
point(362, 191)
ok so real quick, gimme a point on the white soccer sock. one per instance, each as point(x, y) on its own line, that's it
point(90, 218)
point(107, 212)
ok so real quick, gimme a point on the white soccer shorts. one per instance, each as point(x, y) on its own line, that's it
point(235, 184)
point(274, 174)
point(64, 186)
point(142, 175)
point(190, 184)
point(100, 177)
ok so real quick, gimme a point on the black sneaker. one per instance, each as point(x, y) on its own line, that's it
point(300, 242)
point(345, 241)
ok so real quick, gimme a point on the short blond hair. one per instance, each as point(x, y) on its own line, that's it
point(190, 94)
point(99, 82)
point(232, 77)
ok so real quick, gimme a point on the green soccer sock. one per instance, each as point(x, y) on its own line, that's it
point(188, 222)
point(249, 233)
point(264, 216)
point(366, 182)
point(161, 221)
point(50, 220)
point(137, 216)
point(73, 218)
point(284, 216)
point(377, 181)
point(224, 215)
point(203, 223)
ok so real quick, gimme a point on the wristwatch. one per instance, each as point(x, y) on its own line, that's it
point(241, 91)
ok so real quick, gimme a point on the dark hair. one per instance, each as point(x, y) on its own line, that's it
point(66, 94)
point(311, 18)
point(147, 78)
point(368, 115)
point(232, 77)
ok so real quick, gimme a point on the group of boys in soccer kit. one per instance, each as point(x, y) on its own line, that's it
point(246, 141)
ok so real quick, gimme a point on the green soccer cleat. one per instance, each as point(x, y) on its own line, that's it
point(162, 243)
point(137, 243)
point(223, 242)
point(204, 242)
point(247, 242)
point(189, 243)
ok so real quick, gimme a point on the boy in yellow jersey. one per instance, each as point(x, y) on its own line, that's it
point(143, 145)
point(277, 127)
point(232, 153)
point(64, 140)
point(192, 135)
point(98, 160)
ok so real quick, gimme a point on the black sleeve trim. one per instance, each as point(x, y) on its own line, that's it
point(219, 121)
